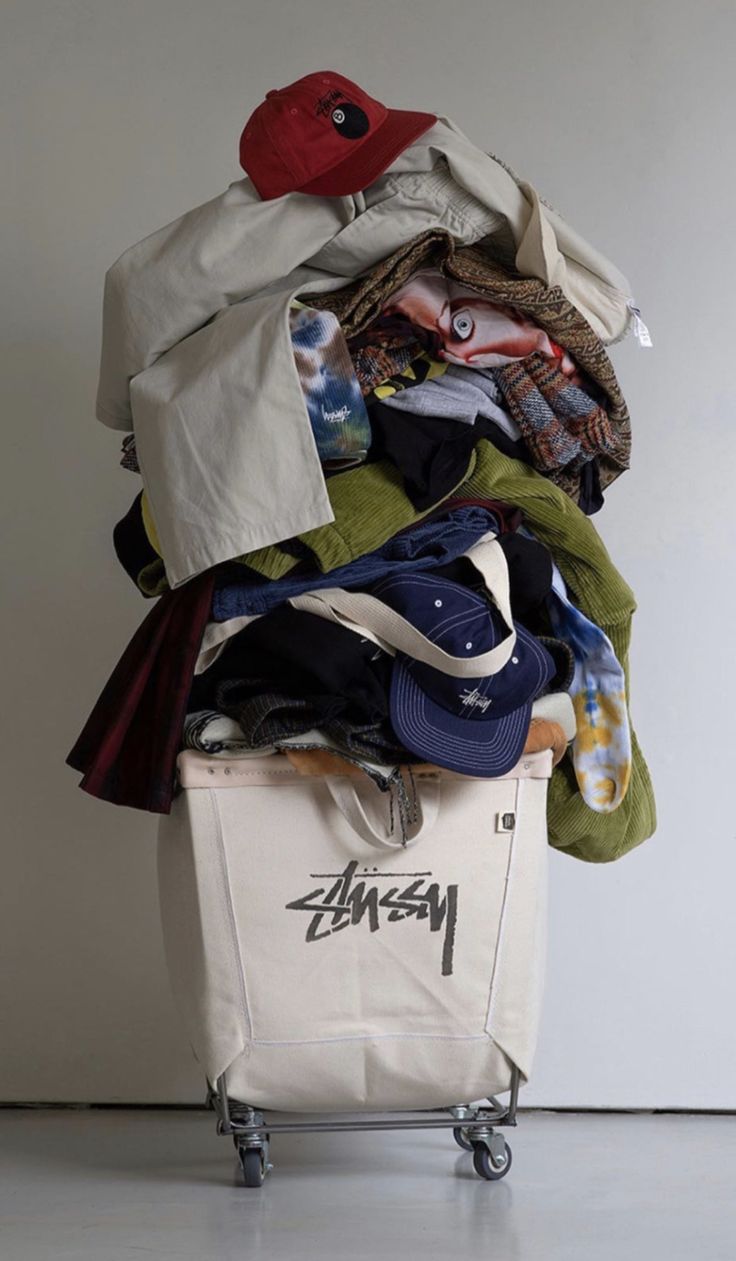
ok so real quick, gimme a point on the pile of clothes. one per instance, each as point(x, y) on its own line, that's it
point(368, 395)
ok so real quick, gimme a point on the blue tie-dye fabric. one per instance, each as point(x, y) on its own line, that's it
point(601, 750)
point(331, 390)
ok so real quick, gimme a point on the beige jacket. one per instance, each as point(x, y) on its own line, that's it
point(196, 351)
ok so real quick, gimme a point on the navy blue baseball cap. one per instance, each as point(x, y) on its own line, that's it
point(472, 726)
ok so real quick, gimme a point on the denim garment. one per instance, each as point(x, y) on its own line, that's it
point(427, 544)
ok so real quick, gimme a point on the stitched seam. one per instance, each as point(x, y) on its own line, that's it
point(245, 774)
point(510, 867)
point(372, 1037)
point(295, 777)
point(217, 783)
point(230, 911)
point(117, 415)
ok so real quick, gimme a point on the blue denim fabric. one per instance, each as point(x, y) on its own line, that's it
point(426, 545)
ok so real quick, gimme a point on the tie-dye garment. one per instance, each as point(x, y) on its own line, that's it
point(601, 750)
point(330, 387)
point(331, 390)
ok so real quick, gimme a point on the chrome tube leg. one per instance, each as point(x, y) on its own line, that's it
point(514, 1099)
point(224, 1124)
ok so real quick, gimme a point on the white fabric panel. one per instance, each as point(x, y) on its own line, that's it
point(325, 974)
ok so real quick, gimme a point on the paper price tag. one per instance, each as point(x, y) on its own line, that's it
point(641, 332)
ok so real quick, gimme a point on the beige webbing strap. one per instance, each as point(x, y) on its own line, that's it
point(365, 613)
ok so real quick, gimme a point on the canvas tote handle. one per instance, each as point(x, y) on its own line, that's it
point(356, 610)
point(343, 793)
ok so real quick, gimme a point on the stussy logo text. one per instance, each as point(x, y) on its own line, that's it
point(475, 700)
point(338, 415)
point(326, 102)
point(351, 898)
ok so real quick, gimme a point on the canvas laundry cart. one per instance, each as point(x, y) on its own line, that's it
point(331, 977)
point(402, 568)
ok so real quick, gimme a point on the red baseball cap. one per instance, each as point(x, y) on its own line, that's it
point(324, 135)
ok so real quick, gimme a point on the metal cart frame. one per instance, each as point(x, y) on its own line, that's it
point(471, 1125)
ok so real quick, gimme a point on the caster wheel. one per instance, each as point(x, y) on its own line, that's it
point(461, 1138)
point(486, 1167)
point(253, 1163)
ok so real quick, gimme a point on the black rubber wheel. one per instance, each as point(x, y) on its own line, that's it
point(484, 1166)
point(461, 1138)
point(253, 1165)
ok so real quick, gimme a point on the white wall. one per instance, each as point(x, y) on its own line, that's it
point(117, 117)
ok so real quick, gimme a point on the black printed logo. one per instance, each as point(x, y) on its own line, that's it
point(327, 102)
point(352, 897)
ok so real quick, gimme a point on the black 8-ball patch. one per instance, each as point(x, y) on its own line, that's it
point(349, 120)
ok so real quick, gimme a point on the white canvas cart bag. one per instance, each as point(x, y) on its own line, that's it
point(326, 967)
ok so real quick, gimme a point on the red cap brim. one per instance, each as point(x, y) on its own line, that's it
point(400, 129)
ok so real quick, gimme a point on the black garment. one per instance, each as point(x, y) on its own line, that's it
point(430, 452)
point(130, 541)
point(299, 672)
point(591, 495)
point(530, 576)
point(292, 671)
point(564, 659)
point(297, 653)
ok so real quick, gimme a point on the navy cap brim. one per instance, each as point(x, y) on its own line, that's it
point(471, 747)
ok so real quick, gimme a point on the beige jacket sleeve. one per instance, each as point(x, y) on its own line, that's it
point(172, 282)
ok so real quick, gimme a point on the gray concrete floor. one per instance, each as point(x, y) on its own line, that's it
point(121, 1184)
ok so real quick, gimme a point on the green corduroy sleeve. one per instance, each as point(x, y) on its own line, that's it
point(370, 506)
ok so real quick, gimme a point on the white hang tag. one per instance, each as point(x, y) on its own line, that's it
point(641, 332)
